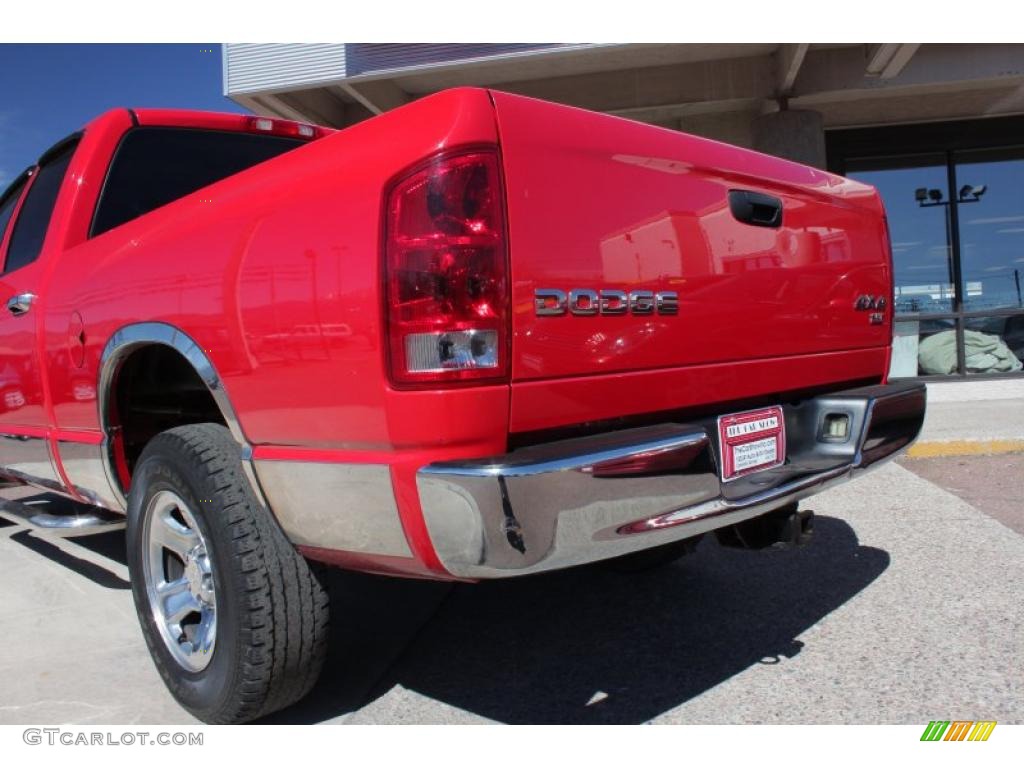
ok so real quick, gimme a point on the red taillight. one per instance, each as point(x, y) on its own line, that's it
point(445, 260)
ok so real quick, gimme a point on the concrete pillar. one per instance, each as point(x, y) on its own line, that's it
point(795, 134)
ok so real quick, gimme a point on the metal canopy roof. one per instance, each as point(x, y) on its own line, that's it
point(685, 86)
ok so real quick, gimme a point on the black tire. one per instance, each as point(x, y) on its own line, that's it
point(652, 559)
point(271, 606)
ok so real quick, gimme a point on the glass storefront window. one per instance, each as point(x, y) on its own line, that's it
point(954, 195)
point(990, 198)
point(992, 344)
point(921, 243)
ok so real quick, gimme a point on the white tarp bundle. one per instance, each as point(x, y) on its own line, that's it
point(984, 353)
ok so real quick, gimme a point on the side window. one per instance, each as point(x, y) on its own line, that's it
point(8, 203)
point(34, 218)
point(154, 166)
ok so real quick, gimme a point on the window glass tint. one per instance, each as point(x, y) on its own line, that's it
point(9, 201)
point(921, 245)
point(155, 166)
point(34, 218)
point(990, 197)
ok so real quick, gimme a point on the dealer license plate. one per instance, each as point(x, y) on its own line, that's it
point(751, 441)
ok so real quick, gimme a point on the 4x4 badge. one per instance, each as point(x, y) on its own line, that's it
point(866, 301)
point(874, 304)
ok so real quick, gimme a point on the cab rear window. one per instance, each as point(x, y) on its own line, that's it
point(8, 202)
point(33, 219)
point(154, 166)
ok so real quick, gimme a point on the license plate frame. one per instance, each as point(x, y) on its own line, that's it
point(751, 441)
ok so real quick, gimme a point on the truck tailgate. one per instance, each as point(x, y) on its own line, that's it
point(604, 204)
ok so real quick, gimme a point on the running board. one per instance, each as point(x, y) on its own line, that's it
point(88, 521)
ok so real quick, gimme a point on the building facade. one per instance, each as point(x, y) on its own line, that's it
point(939, 129)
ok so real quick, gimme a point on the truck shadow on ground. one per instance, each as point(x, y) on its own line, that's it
point(585, 645)
point(109, 545)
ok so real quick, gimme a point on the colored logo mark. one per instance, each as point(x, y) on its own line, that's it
point(958, 730)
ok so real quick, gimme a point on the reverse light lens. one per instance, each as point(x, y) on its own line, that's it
point(446, 265)
point(456, 350)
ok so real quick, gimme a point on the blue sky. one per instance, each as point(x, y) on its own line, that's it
point(48, 91)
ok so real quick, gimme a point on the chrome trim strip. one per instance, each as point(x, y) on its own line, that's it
point(563, 504)
point(83, 467)
point(130, 337)
point(534, 462)
point(122, 343)
point(27, 458)
point(348, 507)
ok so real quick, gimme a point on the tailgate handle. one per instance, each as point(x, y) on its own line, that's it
point(755, 208)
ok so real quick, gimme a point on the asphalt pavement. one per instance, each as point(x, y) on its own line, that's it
point(905, 608)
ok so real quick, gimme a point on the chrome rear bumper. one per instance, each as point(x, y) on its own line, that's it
point(576, 501)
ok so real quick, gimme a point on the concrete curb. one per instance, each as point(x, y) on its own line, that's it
point(929, 449)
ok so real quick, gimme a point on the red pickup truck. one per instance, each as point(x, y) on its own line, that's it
point(475, 337)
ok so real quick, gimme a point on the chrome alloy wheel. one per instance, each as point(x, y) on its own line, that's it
point(180, 583)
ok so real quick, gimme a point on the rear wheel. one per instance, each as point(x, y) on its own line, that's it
point(235, 619)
